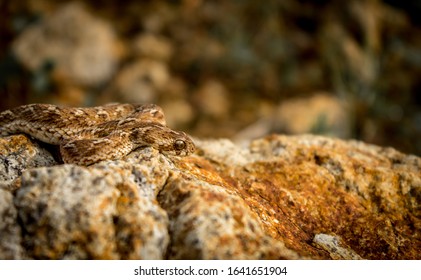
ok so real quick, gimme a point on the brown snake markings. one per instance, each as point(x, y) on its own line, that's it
point(88, 135)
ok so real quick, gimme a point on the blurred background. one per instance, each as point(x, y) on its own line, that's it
point(239, 69)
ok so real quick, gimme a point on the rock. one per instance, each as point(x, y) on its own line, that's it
point(367, 195)
point(19, 153)
point(153, 46)
point(211, 222)
point(321, 114)
point(278, 197)
point(139, 82)
point(212, 99)
point(10, 232)
point(72, 212)
point(80, 46)
point(334, 246)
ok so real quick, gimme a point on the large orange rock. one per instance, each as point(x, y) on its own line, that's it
point(279, 197)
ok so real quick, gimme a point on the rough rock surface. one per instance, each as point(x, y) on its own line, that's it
point(279, 197)
point(18, 153)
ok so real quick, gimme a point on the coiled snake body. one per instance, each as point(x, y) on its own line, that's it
point(92, 134)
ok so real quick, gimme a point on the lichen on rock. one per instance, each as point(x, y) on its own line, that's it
point(19, 153)
point(72, 212)
point(278, 197)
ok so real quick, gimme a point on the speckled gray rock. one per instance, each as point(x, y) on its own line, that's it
point(334, 245)
point(72, 212)
point(18, 153)
point(10, 234)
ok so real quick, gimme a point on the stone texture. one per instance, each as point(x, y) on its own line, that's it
point(211, 222)
point(335, 247)
point(72, 212)
point(278, 197)
point(10, 241)
point(19, 153)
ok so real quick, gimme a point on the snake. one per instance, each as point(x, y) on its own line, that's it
point(87, 135)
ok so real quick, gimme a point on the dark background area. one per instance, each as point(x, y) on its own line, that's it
point(237, 69)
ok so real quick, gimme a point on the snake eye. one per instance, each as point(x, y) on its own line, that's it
point(179, 145)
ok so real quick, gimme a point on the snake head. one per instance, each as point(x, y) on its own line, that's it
point(164, 139)
point(181, 146)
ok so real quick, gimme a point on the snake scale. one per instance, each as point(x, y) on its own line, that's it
point(87, 135)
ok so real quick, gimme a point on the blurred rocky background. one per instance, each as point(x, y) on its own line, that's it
point(237, 69)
